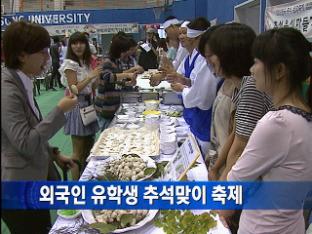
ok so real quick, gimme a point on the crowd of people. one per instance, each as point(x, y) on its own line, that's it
point(242, 95)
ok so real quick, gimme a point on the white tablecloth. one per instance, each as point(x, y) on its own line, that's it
point(199, 173)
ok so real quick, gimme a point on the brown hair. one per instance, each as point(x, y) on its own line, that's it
point(22, 37)
point(119, 44)
point(232, 44)
point(79, 37)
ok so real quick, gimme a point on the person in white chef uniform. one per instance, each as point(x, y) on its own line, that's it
point(199, 93)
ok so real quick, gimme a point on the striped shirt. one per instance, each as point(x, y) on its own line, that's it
point(124, 65)
point(251, 105)
point(107, 100)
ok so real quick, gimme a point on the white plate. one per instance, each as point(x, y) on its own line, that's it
point(89, 218)
point(69, 216)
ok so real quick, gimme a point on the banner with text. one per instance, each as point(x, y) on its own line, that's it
point(156, 195)
point(67, 22)
point(296, 14)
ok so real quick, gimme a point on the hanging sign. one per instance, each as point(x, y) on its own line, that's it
point(296, 14)
point(67, 22)
point(93, 28)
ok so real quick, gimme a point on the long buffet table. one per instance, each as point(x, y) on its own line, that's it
point(198, 173)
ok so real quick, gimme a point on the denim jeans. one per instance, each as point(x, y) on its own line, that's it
point(103, 123)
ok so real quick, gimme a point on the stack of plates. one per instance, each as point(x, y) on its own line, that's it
point(168, 143)
point(168, 138)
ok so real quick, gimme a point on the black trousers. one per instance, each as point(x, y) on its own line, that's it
point(27, 221)
point(55, 76)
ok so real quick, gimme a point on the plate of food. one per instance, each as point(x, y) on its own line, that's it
point(128, 167)
point(114, 142)
point(118, 221)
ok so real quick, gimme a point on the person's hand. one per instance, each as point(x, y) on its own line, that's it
point(213, 175)
point(175, 77)
point(166, 65)
point(223, 176)
point(67, 103)
point(138, 69)
point(224, 221)
point(178, 87)
point(225, 217)
point(156, 79)
point(131, 79)
point(96, 72)
point(64, 162)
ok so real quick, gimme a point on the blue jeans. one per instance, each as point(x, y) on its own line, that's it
point(103, 123)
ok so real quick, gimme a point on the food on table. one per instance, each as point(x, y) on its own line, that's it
point(151, 112)
point(174, 113)
point(127, 168)
point(121, 218)
point(117, 141)
point(175, 221)
point(151, 104)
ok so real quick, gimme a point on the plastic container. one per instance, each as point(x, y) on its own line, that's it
point(151, 104)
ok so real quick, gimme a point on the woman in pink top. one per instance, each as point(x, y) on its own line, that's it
point(279, 148)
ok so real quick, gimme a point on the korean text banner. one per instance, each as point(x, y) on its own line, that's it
point(156, 195)
point(295, 14)
point(68, 22)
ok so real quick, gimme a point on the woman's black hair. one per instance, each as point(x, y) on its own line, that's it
point(232, 44)
point(162, 43)
point(200, 23)
point(79, 37)
point(170, 17)
point(119, 44)
point(132, 42)
point(289, 47)
point(205, 38)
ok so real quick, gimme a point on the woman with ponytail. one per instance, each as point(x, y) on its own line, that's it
point(279, 148)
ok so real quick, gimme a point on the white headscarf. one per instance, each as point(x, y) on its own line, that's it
point(170, 22)
point(192, 33)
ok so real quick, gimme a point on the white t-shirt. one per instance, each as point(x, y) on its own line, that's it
point(82, 73)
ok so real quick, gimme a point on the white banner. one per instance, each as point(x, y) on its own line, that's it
point(296, 14)
point(92, 28)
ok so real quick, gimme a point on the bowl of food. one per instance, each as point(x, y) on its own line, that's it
point(118, 221)
point(128, 167)
point(151, 104)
